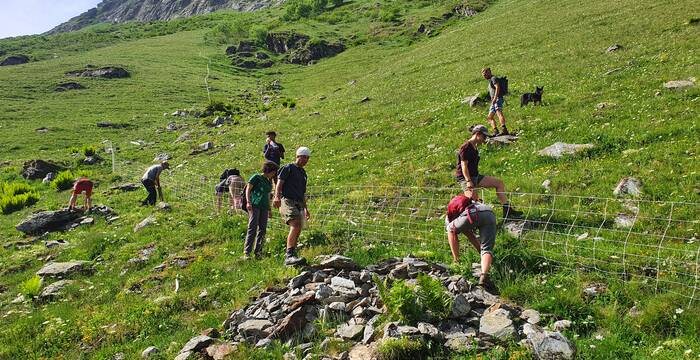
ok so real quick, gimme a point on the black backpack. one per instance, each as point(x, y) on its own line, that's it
point(502, 85)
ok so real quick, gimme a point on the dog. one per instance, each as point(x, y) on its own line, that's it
point(535, 97)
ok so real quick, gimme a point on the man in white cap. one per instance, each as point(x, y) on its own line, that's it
point(290, 198)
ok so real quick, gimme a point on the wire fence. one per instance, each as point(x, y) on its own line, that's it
point(652, 242)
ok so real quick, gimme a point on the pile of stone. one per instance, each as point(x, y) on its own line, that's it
point(337, 288)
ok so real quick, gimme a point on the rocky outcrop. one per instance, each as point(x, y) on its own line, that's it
point(62, 269)
point(109, 72)
point(15, 60)
point(64, 219)
point(293, 48)
point(309, 53)
point(121, 11)
point(38, 169)
point(68, 86)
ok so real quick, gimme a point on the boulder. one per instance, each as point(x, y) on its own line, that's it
point(679, 84)
point(315, 51)
point(460, 307)
point(47, 221)
point(150, 220)
point(284, 42)
point(628, 186)
point(559, 149)
point(300, 280)
point(338, 262)
point(68, 86)
point(221, 351)
point(15, 60)
point(547, 345)
point(62, 269)
point(531, 316)
point(342, 282)
point(54, 290)
point(149, 351)
point(292, 323)
point(430, 331)
point(196, 344)
point(474, 101)
point(256, 328)
point(109, 72)
point(350, 331)
point(497, 324)
point(38, 169)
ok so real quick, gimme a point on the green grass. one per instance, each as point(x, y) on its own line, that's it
point(415, 85)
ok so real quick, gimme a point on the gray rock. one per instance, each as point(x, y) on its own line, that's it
point(38, 169)
point(531, 316)
point(561, 325)
point(559, 149)
point(55, 243)
point(47, 221)
point(363, 352)
point(628, 186)
point(548, 345)
point(338, 262)
point(408, 331)
point(184, 356)
point(147, 352)
point(206, 146)
point(342, 282)
point(679, 84)
point(623, 220)
point(350, 332)
point(62, 269)
point(54, 290)
point(337, 306)
point(460, 343)
point(497, 324)
point(184, 136)
point(516, 228)
point(323, 292)
point(90, 160)
point(502, 140)
point(14, 60)
point(257, 328)
point(196, 344)
point(546, 184)
point(163, 206)
point(48, 178)
point(162, 157)
point(109, 72)
point(300, 280)
point(150, 220)
point(218, 121)
point(263, 343)
point(430, 331)
point(473, 101)
point(460, 307)
point(614, 47)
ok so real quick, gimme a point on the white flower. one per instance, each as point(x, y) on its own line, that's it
point(679, 311)
point(599, 337)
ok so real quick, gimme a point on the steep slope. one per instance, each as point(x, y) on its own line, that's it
point(121, 11)
point(405, 134)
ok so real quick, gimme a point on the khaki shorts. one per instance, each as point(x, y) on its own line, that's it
point(292, 209)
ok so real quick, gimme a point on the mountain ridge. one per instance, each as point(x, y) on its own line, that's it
point(121, 11)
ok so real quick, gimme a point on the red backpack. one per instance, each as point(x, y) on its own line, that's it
point(457, 205)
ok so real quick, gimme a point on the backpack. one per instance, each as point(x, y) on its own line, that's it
point(244, 200)
point(502, 85)
point(457, 206)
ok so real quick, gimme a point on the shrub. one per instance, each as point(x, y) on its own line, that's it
point(16, 196)
point(297, 9)
point(259, 34)
point(289, 103)
point(403, 348)
point(63, 181)
point(318, 6)
point(433, 297)
point(227, 33)
point(406, 304)
point(88, 150)
point(31, 287)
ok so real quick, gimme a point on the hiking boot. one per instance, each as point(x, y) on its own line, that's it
point(246, 257)
point(488, 285)
point(504, 131)
point(293, 260)
point(495, 133)
point(258, 256)
point(510, 213)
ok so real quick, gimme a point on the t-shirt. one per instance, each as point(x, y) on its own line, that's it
point(492, 86)
point(152, 172)
point(273, 152)
point(260, 192)
point(294, 178)
point(469, 153)
point(235, 184)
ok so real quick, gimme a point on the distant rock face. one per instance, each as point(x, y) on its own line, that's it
point(15, 60)
point(109, 72)
point(120, 11)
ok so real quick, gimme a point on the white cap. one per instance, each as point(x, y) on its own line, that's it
point(303, 151)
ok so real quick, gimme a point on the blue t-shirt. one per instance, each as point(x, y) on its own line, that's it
point(273, 152)
point(294, 178)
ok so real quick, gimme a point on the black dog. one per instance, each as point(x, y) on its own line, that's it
point(535, 97)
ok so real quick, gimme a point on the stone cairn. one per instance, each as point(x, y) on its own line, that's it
point(337, 288)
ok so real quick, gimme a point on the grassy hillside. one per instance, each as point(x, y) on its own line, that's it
point(404, 135)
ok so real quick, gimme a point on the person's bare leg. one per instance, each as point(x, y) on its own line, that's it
point(88, 202)
point(294, 231)
point(73, 199)
point(495, 183)
point(492, 120)
point(501, 118)
point(486, 260)
point(452, 238)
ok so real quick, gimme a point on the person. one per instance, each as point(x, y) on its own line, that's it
point(232, 182)
point(273, 151)
point(82, 185)
point(290, 198)
point(151, 181)
point(496, 106)
point(257, 192)
point(465, 216)
point(467, 171)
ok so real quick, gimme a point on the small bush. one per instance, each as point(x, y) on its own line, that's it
point(259, 34)
point(88, 150)
point(289, 103)
point(403, 348)
point(31, 287)
point(63, 181)
point(433, 297)
point(16, 196)
point(401, 301)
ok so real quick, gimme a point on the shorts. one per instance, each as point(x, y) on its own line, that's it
point(83, 186)
point(475, 180)
point(291, 210)
point(497, 106)
point(486, 223)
